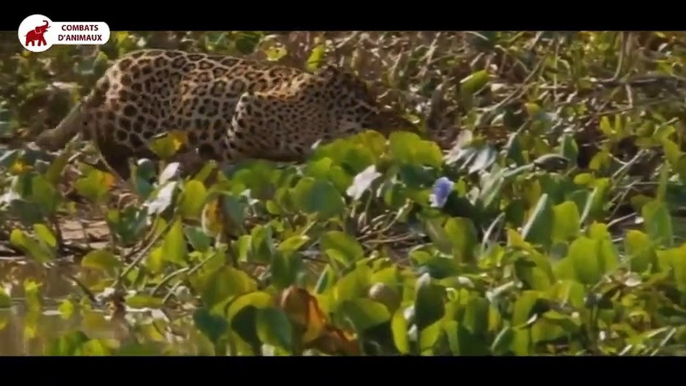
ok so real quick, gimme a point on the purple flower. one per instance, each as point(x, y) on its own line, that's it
point(442, 188)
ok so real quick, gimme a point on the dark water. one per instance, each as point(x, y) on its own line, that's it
point(46, 305)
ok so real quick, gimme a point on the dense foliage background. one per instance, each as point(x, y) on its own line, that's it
point(552, 227)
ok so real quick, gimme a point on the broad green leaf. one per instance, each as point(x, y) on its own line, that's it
point(293, 243)
point(544, 331)
point(678, 263)
point(591, 259)
point(462, 233)
point(429, 302)
point(174, 247)
point(274, 328)
point(365, 313)
point(409, 149)
point(138, 349)
point(285, 268)
point(223, 285)
point(211, 325)
point(5, 300)
point(34, 249)
point(67, 345)
point(144, 301)
point(539, 227)
point(429, 335)
point(101, 259)
point(452, 329)
point(569, 148)
point(341, 247)
point(605, 126)
point(258, 300)
point(46, 194)
point(640, 251)
point(318, 196)
point(66, 309)
point(476, 315)
point(95, 185)
point(567, 221)
point(353, 285)
point(524, 307)
point(474, 82)
point(94, 347)
point(54, 172)
point(503, 341)
point(197, 238)
point(317, 56)
point(399, 327)
point(658, 223)
point(194, 195)
point(45, 235)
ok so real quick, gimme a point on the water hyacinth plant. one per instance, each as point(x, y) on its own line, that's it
point(553, 226)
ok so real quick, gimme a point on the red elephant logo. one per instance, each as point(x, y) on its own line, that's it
point(36, 35)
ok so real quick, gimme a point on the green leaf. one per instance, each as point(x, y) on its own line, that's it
point(45, 194)
point(569, 148)
point(539, 228)
point(285, 268)
point(101, 259)
point(353, 285)
point(223, 285)
point(258, 300)
point(462, 234)
point(194, 196)
point(54, 172)
point(438, 236)
point(476, 315)
point(679, 266)
point(174, 246)
point(5, 300)
point(591, 259)
point(274, 328)
point(365, 313)
point(658, 223)
point(34, 249)
point(66, 309)
point(399, 327)
point(409, 149)
point(138, 349)
point(474, 82)
point(198, 239)
point(67, 345)
point(211, 325)
point(144, 301)
point(318, 196)
point(317, 57)
point(524, 307)
point(640, 250)
point(605, 126)
point(567, 221)
point(341, 247)
point(94, 347)
point(95, 185)
point(429, 302)
point(293, 243)
point(45, 235)
point(503, 341)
